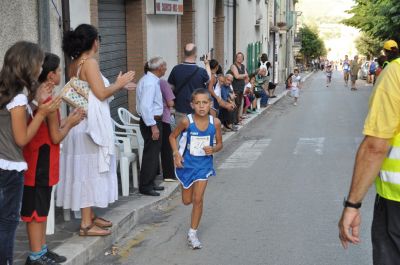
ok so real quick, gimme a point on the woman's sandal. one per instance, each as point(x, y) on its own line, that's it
point(101, 222)
point(89, 231)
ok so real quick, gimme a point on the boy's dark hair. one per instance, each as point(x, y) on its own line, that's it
point(252, 75)
point(200, 91)
point(21, 63)
point(50, 64)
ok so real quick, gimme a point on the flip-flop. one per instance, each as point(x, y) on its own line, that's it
point(96, 220)
point(85, 231)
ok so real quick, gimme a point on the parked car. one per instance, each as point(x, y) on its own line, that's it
point(364, 70)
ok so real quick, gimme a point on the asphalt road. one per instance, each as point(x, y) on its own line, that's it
point(278, 194)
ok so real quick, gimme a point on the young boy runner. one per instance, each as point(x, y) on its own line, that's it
point(194, 160)
point(42, 154)
point(294, 89)
point(328, 75)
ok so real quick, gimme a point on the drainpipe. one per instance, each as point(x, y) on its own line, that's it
point(274, 55)
point(44, 25)
point(234, 30)
point(66, 25)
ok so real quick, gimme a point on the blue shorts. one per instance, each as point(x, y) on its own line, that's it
point(188, 176)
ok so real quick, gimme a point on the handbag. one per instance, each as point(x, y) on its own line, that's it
point(76, 93)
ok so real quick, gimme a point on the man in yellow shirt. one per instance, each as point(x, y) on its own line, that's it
point(378, 159)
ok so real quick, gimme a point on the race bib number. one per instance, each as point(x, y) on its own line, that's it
point(197, 143)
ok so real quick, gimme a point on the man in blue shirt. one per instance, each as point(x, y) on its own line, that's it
point(149, 106)
point(185, 78)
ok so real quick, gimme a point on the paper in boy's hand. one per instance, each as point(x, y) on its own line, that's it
point(197, 144)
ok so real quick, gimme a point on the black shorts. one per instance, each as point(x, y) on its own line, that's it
point(36, 203)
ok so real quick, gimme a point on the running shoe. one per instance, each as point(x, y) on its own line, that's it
point(193, 241)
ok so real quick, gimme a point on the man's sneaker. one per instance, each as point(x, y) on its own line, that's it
point(43, 260)
point(54, 256)
point(193, 241)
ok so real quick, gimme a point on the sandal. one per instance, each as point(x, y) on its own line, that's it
point(101, 222)
point(89, 231)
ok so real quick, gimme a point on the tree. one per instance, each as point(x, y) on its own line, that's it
point(312, 46)
point(368, 46)
point(378, 18)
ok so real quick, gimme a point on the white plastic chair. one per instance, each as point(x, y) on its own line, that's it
point(127, 119)
point(125, 155)
point(127, 116)
point(125, 158)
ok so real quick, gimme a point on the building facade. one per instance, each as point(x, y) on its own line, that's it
point(132, 31)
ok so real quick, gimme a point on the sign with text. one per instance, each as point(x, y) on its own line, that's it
point(168, 7)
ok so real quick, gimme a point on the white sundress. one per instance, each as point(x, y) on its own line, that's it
point(81, 183)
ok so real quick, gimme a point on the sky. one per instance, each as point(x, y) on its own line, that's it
point(326, 15)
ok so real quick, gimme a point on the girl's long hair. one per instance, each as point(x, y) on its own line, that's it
point(80, 40)
point(21, 65)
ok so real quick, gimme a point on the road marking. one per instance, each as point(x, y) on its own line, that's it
point(247, 153)
point(305, 144)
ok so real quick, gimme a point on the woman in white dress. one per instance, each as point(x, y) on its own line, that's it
point(88, 175)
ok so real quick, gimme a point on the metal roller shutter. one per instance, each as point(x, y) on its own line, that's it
point(113, 58)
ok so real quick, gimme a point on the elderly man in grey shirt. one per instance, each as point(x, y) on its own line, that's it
point(149, 106)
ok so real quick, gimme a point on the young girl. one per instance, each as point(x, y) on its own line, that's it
point(42, 154)
point(194, 160)
point(18, 78)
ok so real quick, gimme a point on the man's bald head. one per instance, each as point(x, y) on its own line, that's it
point(190, 50)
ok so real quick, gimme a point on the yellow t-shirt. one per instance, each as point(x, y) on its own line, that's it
point(383, 119)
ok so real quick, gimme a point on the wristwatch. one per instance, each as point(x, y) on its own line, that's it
point(346, 203)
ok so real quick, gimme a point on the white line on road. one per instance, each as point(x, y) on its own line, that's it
point(305, 144)
point(247, 153)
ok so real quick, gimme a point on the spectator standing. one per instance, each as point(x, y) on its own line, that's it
point(167, 161)
point(88, 174)
point(377, 160)
point(239, 74)
point(186, 78)
point(149, 106)
point(20, 71)
point(354, 68)
point(42, 154)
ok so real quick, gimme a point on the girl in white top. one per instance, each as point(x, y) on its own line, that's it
point(18, 84)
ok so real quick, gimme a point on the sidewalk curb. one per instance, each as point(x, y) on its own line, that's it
point(81, 250)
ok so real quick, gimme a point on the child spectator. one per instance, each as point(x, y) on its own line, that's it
point(18, 82)
point(249, 94)
point(194, 160)
point(42, 154)
point(295, 86)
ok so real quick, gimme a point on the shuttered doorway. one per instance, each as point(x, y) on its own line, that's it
point(113, 58)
